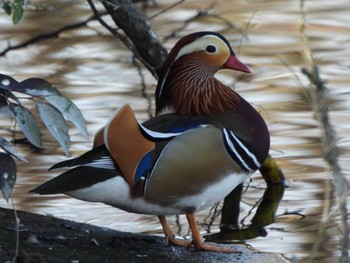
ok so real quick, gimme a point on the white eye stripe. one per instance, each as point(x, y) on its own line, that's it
point(201, 44)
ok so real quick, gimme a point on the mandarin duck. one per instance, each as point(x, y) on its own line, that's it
point(204, 141)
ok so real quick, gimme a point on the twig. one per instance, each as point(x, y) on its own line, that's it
point(144, 87)
point(145, 43)
point(114, 31)
point(244, 33)
point(123, 38)
point(202, 13)
point(47, 35)
point(17, 230)
point(329, 146)
point(166, 9)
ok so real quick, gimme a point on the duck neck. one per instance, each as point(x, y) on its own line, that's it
point(193, 90)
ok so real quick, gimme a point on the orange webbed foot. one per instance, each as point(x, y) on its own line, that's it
point(170, 236)
point(198, 242)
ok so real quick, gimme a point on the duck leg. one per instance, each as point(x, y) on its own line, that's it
point(197, 239)
point(170, 236)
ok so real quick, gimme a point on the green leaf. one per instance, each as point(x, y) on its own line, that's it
point(7, 8)
point(10, 149)
point(18, 11)
point(8, 174)
point(27, 123)
point(17, 14)
point(36, 87)
point(55, 123)
point(69, 110)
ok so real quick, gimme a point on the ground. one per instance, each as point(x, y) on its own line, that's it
point(48, 239)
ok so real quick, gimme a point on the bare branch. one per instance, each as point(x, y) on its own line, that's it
point(136, 26)
point(205, 13)
point(47, 35)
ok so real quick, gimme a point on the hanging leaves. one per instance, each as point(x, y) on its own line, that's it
point(51, 112)
point(70, 111)
point(16, 9)
point(27, 123)
point(7, 83)
point(55, 123)
point(10, 149)
point(36, 87)
point(8, 174)
point(7, 8)
point(42, 88)
point(5, 109)
point(51, 106)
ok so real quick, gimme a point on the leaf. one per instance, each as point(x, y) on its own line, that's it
point(7, 83)
point(18, 11)
point(36, 87)
point(55, 123)
point(17, 15)
point(4, 108)
point(70, 111)
point(10, 149)
point(27, 123)
point(8, 174)
point(7, 8)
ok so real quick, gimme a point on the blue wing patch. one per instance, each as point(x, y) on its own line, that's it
point(187, 126)
point(144, 166)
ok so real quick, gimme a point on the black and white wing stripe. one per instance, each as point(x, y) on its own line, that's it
point(104, 162)
point(91, 168)
point(98, 157)
point(240, 153)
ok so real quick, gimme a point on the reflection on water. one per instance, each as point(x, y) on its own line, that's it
point(96, 72)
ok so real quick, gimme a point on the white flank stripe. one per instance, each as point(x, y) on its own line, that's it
point(163, 135)
point(252, 156)
point(160, 135)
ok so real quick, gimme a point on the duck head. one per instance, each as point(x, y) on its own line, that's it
point(187, 85)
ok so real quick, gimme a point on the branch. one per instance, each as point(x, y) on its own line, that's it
point(145, 44)
point(206, 13)
point(47, 35)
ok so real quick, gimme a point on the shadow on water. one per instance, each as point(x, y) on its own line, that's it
point(94, 70)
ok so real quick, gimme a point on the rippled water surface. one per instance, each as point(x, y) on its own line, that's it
point(96, 71)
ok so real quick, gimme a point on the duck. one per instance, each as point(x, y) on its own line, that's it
point(204, 140)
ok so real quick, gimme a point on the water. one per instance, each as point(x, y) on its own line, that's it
point(96, 72)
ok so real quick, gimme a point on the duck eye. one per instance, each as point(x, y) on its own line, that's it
point(210, 49)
